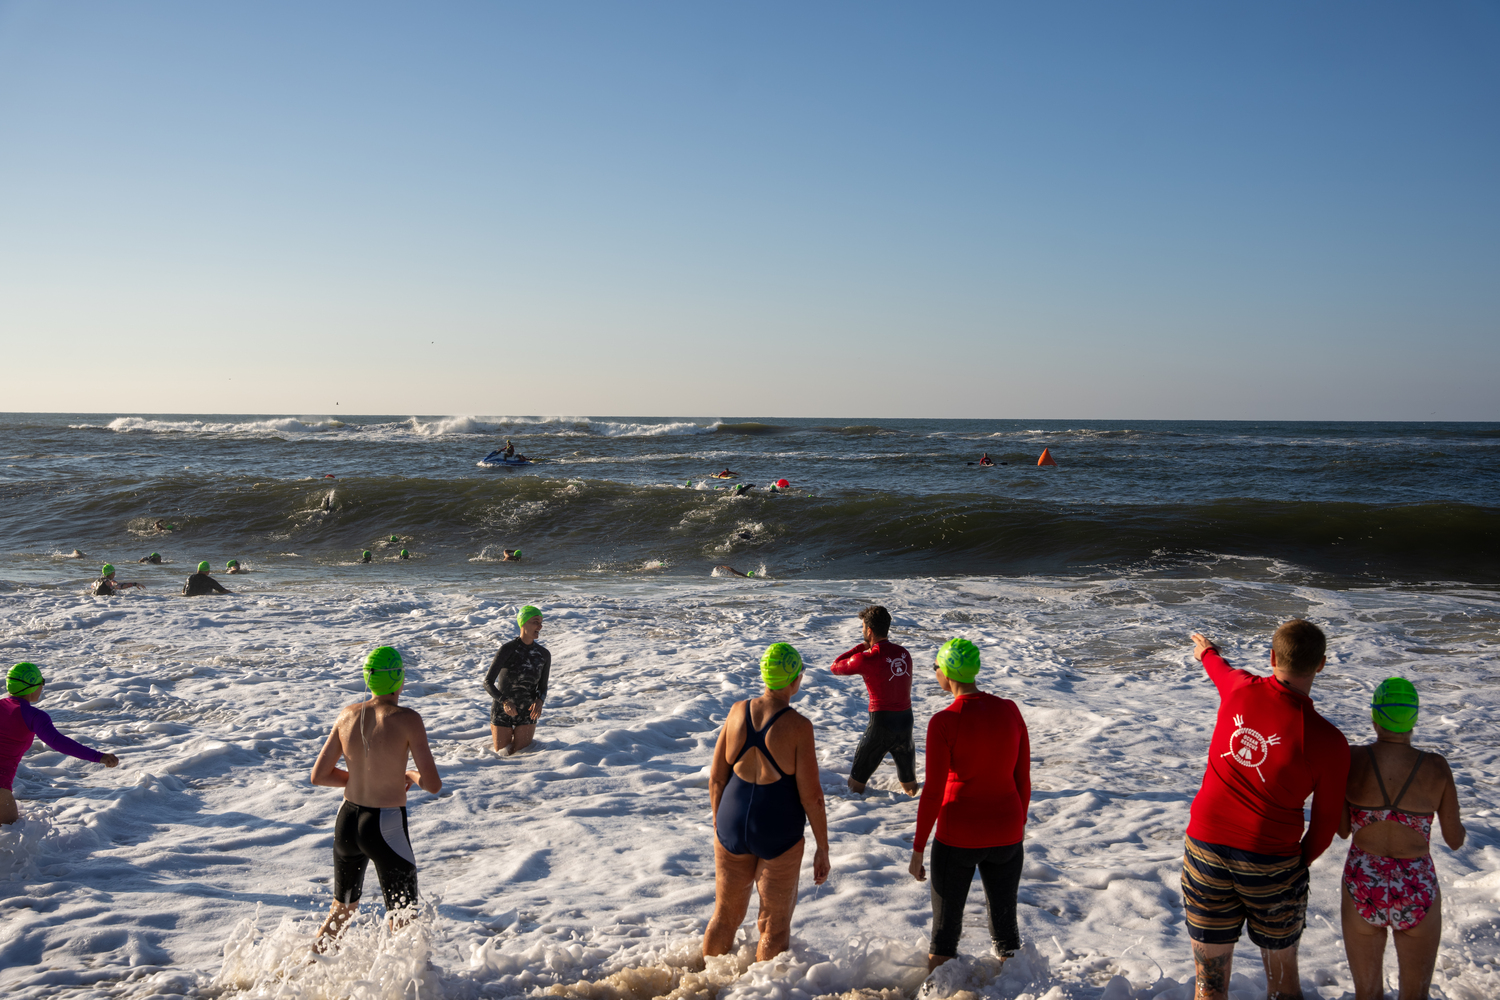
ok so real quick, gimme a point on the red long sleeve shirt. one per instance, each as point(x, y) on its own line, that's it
point(978, 774)
point(1269, 752)
point(886, 668)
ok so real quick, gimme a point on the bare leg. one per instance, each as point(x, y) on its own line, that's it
point(777, 882)
point(502, 735)
point(1212, 962)
point(9, 811)
point(333, 926)
point(1416, 952)
point(734, 874)
point(933, 961)
point(522, 739)
point(857, 786)
point(1364, 944)
point(1282, 981)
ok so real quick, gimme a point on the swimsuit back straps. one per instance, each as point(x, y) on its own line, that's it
point(1385, 797)
point(757, 738)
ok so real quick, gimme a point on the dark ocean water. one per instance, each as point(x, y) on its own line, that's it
point(1335, 503)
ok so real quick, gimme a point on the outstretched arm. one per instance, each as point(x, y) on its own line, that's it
point(40, 723)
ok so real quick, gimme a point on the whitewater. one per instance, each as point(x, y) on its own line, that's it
point(201, 866)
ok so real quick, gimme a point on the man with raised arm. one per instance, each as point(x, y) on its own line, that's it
point(1246, 854)
point(886, 668)
point(374, 738)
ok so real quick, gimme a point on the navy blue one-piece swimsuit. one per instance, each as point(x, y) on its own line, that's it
point(763, 820)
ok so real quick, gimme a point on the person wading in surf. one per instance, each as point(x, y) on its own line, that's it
point(886, 669)
point(1246, 856)
point(374, 738)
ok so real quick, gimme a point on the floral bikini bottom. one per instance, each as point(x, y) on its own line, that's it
point(1390, 892)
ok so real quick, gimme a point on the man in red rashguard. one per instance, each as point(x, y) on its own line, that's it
point(1246, 856)
point(886, 668)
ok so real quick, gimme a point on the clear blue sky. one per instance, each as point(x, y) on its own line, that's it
point(831, 209)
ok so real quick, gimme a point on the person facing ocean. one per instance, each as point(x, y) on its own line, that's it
point(200, 583)
point(1246, 856)
point(977, 792)
point(886, 669)
point(21, 722)
point(1389, 879)
point(517, 684)
point(763, 789)
point(374, 738)
point(107, 585)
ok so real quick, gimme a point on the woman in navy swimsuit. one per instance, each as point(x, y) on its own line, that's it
point(764, 787)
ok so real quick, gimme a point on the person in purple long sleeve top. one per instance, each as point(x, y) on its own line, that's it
point(20, 723)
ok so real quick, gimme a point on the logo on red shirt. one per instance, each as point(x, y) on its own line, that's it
point(1249, 748)
point(900, 666)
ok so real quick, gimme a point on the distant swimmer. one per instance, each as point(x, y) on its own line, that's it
point(763, 788)
point(374, 738)
point(200, 583)
point(154, 559)
point(107, 585)
point(405, 554)
point(365, 556)
point(395, 540)
point(328, 502)
point(726, 474)
point(78, 554)
point(740, 488)
point(886, 669)
point(517, 684)
point(233, 566)
point(510, 555)
point(985, 459)
point(163, 526)
point(20, 723)
point(730, 569)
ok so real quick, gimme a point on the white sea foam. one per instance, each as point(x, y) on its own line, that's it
point(411, 427)
point(584, 867)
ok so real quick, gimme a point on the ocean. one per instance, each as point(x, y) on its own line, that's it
point(584, 868)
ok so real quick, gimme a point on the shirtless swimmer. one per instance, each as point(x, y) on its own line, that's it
point(374, 738)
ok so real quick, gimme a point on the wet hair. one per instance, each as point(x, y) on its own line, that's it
point(878, 618)
point(1299, 646)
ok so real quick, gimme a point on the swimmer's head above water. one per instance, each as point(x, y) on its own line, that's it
point(365, 556)
point(107, 570)
point(203, 566)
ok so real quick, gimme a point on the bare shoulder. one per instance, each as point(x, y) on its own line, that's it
point(798, 723)
point(1439, 763)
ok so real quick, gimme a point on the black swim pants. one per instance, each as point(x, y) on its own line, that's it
point(1223, 888)
point(521, 718)
point(362, 834)
point(886, 733)
point(952, 873)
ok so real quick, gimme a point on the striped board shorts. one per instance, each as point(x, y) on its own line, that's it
point(1223, 887)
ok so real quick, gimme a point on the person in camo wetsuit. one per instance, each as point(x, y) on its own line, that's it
point(517, 683)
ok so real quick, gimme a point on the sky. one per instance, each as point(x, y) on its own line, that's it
point(874, 209)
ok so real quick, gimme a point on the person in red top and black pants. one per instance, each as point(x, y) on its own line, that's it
point(886, 668)
point(977, 792)
point(1246, 856)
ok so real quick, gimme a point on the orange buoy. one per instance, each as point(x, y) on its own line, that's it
point(1046, 458)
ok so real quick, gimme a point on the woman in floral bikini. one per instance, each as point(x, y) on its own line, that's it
point(1389, 879)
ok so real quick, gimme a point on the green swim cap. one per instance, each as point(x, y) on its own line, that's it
point(526, 614)
point(405, 554)
point(203, 566)
point(384, 673)
point(395, 539)
point(780, 665)
point(156, 555)
point(517, 554)
point(365, 554)
point(23, 678)
point(106, 569)
point(959, 660)
point(1394, 706)
point(231, 564)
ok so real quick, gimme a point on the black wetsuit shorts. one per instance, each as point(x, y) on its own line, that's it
point(362, 834)
point(886, 733)
point(498, 716)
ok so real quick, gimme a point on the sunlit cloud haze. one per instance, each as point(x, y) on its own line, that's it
point(835, 209)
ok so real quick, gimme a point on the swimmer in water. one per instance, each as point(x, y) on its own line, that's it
point(154, 559)
point(517, 683)
point(365, 556)
point(328, 501)
point(20, 723)
point(78, 554)
point(374, 738)
point(200, 583)
point(405, 554)
point(985, 459)
point(107, 586)
point(163, 526)
point(510, 555)
point(730, 569)
point(233, 566)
